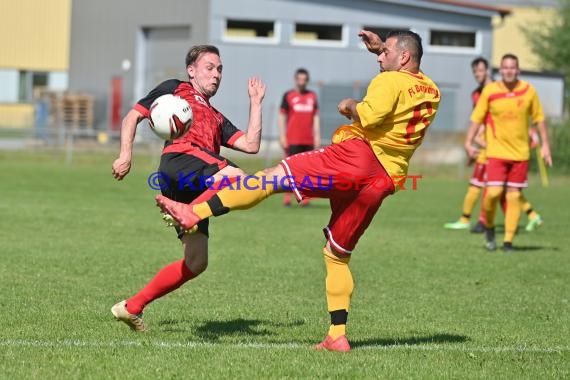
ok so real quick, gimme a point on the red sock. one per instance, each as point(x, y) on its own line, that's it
point(482, 215)
point(169, 278)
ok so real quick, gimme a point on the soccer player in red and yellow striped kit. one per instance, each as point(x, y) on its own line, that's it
point(506, 106)
point(480, 68)
point(355, 173)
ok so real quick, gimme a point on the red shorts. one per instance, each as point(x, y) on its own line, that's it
point(350, 175)
point(507, 173)
point(478, 178)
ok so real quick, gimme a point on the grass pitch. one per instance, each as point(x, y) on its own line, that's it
point(428, 303)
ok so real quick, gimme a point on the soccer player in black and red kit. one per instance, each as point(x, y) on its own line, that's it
point(299, 121)
point(185, 162)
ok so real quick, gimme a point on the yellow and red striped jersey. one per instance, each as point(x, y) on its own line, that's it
point(506, 115)
point(394, 116)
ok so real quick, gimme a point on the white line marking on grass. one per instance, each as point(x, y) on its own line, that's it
point(287, 346)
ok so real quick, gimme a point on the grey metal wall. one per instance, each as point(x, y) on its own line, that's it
point(104, 33)
point(338, 66)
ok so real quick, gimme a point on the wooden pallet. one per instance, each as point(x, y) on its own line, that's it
point(75, 111)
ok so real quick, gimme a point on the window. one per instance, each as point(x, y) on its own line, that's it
point(453, 39)
point(10, 85)
point(319, 34)
point(250, 30)
point(383, 31)
point(25, 86)
point(30, 82)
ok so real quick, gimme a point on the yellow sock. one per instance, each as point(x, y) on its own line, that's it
point(339, 286)
point(203, 210)
point(240, 196)
point(512, 215)
point(491, 201)
point(473, 193)
point(527, 207)
point(469, 202)
point(337, 330)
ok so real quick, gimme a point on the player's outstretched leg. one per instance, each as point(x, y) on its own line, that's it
point(182, 213)
point(243, 195)
point(339, 287)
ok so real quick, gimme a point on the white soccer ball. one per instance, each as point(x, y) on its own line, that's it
point(170, 117)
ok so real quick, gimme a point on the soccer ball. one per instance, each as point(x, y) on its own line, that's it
point(170, 117)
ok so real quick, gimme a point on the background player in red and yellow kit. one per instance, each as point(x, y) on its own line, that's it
point(190, 158)
point(355, 173)
point(480, 68)
point(506, 106)
point(299, 121)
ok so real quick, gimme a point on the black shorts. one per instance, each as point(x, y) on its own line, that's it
point(295, 149)
point(186, 173)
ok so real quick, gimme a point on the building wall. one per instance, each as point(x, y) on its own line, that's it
point(509, 36)
point(336, 71)
point(338, 66)
point(34, 38)
point(16, 115)
point(108, 36)
point(34, 35)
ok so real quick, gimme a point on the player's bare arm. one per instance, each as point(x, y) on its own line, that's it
point(250, 141)
point(122, 165)
point(545, 146)
point(282, 124)
point(347, 107)
point(372, 41)
point(471, 132)
point(479, 138)
point(317, 131)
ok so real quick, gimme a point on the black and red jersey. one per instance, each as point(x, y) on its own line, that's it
point(300, 109)
point(210, 129)
point(476, 94)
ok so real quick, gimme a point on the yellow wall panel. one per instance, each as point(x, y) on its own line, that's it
point(508, 35)
point(34, 34)
point(16, 115)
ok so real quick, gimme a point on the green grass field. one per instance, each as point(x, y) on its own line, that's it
point(428, 303)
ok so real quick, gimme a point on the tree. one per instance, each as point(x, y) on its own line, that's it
point(551, 42)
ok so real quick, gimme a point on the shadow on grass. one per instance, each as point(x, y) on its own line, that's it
point(411, 341)
point(530, 248)
point(212, 331)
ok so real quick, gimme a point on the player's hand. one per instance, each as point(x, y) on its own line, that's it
point(283, 142)
point(545, 152)
point(256, 90)
point(480, 141)
point(121, 168)
point(372, 41)
point(471, 151)
point(345, 107)
point(534, 138)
